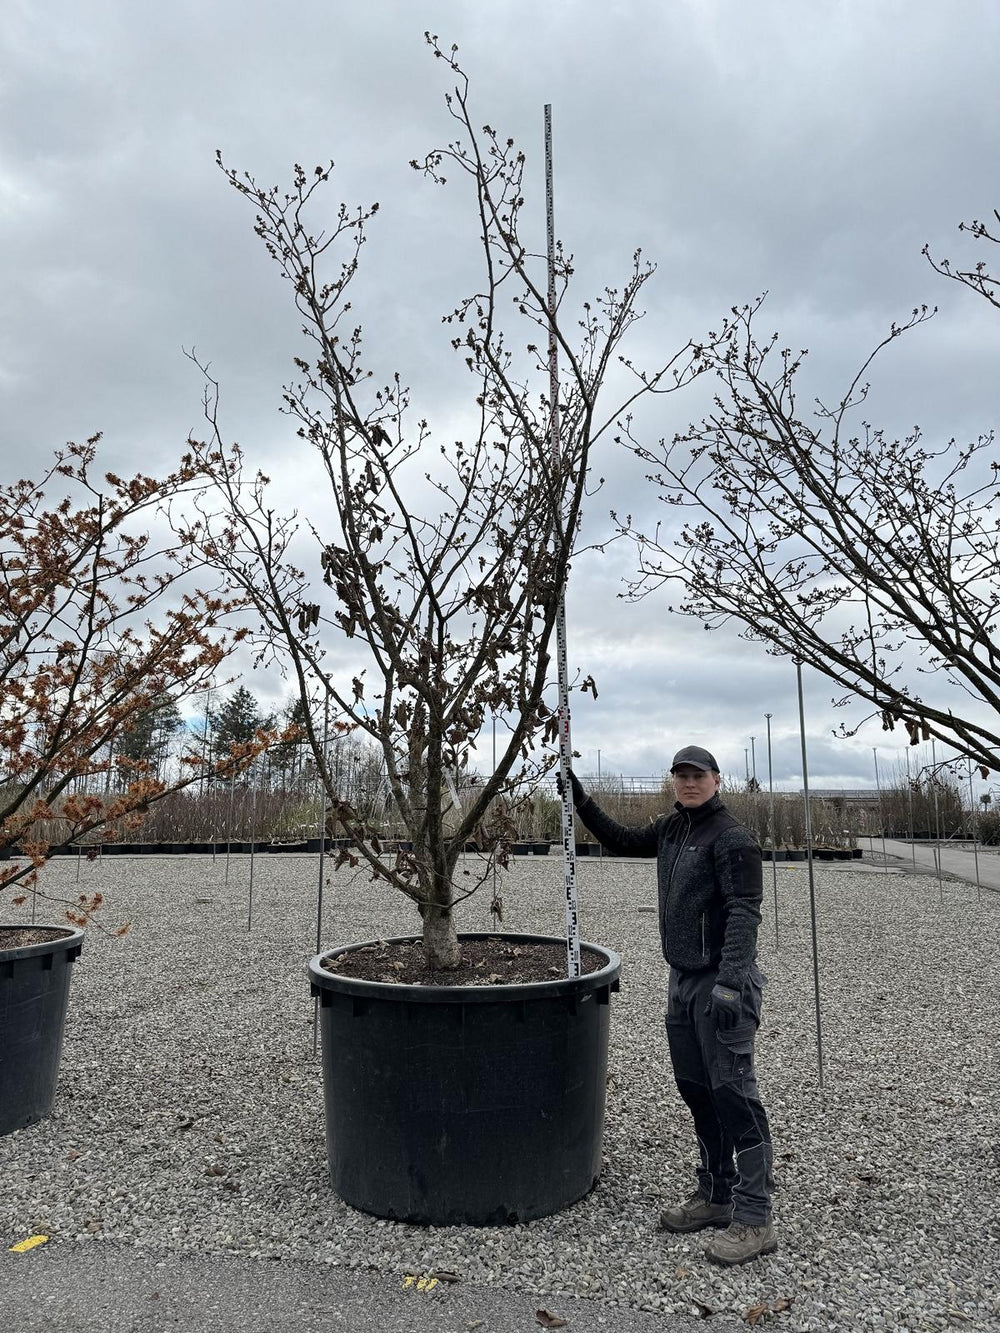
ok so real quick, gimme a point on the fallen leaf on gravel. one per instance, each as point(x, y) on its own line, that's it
point(782, 1304)
point(443, 1275)
point(681, 1273)
point(31, 1243)
point(73, 1154)
point(704, 1311)
point(756, 1314)
point(548, 1320)
point(215, 1170)
point(94, 1225)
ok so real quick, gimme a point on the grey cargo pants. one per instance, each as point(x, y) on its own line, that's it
point(714, 1071)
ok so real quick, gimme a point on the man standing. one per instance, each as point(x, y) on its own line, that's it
point(710, 890)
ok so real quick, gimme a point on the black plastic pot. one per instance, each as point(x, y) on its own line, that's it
point(465, 1105)
point(34, 993)
point(541, 848)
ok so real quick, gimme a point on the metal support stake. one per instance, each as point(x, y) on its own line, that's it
point(322, 855)
point(565, 743)
point(229, 825)
point(771, 831)
point(909, 799)
point(253, 847)
point(812, 886)
point(881, 812)
point(937, 819)
point(975, 831)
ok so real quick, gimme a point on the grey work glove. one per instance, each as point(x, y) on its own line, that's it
point(725, 1006)
point(579, 795)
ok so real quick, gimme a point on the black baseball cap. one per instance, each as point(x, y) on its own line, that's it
point(696, 757)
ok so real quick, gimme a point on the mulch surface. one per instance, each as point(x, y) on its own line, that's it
point(489, 962)
point(25, 935)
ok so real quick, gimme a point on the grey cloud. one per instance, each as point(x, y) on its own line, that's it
point(808, 150)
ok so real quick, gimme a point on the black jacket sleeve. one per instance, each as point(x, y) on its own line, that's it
point(618, 839)
point(740, 877)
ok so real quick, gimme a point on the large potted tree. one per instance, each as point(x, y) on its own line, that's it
point(448, 1100)
point(100, 624)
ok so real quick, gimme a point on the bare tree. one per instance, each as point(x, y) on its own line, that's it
point(839, 546)
point(99, 623)
point(445, 563)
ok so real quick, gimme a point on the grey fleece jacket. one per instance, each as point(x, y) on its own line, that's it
point(709, 881)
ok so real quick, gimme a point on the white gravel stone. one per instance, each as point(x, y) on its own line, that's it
point(190, 1111)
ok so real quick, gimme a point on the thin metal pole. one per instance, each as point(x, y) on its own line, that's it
point(253, 845)
point(909, 798)
point(322, 856)
point(565, 744)
point(771, 832)
point(600, 845)
point(753, 759)
point(975, 831)
point(937, 818)
point(809, 863)
point(881, 812)
point(229, 824)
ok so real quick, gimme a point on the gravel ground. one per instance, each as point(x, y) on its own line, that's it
point(189, 1113)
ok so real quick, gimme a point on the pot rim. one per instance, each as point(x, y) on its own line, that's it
point(72, 939)
point(606, 976)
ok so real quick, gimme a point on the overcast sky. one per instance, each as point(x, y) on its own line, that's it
point(806, 149)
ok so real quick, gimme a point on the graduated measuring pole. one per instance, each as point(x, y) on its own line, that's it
point(565, 744)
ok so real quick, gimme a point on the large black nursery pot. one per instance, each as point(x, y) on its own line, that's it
point(34, 993)
point(465, 1105)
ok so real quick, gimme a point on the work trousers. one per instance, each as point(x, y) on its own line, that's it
point(714, 1069)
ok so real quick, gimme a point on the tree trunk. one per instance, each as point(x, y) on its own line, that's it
point(440, 938)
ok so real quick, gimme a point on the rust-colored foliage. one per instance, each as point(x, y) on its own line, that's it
point(98, 622)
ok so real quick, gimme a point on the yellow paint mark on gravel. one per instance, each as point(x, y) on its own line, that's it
point(420, 1283)
point(32, 1242)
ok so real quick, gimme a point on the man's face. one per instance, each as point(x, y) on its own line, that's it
point(693, 786)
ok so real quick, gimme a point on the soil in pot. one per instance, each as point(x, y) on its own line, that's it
point(485, 962)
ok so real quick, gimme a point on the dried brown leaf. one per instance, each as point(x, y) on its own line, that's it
point(549, 1320)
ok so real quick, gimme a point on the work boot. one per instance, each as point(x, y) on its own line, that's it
point(695, 1214)
point(740, 1243)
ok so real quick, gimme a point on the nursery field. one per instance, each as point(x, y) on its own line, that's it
point(189, 1116)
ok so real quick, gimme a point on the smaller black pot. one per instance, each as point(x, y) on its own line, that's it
point(34, 994)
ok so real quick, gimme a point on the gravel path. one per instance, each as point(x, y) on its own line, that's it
point(190, 1114)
